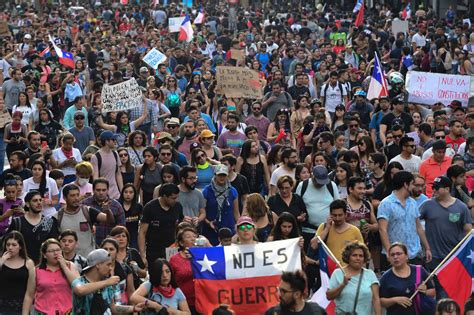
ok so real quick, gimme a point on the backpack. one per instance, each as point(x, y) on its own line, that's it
point(85, 212)
point(305, 187)
point(99, 161)
point(339, 84)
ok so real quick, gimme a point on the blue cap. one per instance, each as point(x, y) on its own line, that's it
point(107, 135)
point(360, 93)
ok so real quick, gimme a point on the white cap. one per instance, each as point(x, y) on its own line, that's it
point(27, 36)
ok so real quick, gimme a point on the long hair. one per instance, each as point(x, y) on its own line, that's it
point(170, 169)
point(44, 249)
point(42, 185)
point(17, 236)
point(285, 217)
point(118, 122)
point(245, 151)
point(369, 146)
point(128, 165)
point(154, 153)
point(387, 176)
point(27, 103)
point(194, 161)
point(135, 194)
point(345, 166)
point(286, 112)
point(156, 270)
point(256, 206)
point(273, 154)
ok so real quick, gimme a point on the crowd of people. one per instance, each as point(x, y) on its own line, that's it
point(99, 209)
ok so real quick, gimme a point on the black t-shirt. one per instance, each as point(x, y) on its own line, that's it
point(392, 150)
point(296, 91)
point(241, 185)
point(308, 309)
point(161, 226)
point(469, 306)
point(132, 216)
point(296, 207)
point(35, 235)
point(388, 119)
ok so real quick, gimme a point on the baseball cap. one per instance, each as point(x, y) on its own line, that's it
point(27, 36)
point(320, 174)
point(206, 133)
point(79, 113)
point(442, 182)
point(360, 93)
point(399, 99)
point(97, 256)
point(222, 169)
point(245, 219)
point(172, 121)
point(107, 135)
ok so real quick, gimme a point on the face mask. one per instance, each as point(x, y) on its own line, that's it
point(82, 181)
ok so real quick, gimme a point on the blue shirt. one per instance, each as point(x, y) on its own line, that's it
point(82, 304)
point(208, 120)
point(401, 222)
point(204, 177)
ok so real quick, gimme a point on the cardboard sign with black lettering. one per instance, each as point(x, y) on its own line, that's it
point(239, 82)
point(122, 96)
point(245, 277)
point(5, 118)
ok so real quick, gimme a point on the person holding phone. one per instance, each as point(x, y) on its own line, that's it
point(10, 206)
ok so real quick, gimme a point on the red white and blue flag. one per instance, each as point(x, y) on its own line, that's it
point(456, 275)
point(406, 13)
point(65, 58)
point(45, 53)
point(378, 83)
point(200, 17)
point(186, 30)
point(358, 5)
point(359, 8)
point(246, 277)
point(327, 265)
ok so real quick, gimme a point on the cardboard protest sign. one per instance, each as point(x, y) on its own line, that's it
point(5, 118)
point(399, 26)
point(237, 54)
point(122, 96)
point(154, 58)
point(174, 24)
point(429, 88)
point(239, 82)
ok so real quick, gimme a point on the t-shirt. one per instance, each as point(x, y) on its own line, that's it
point(345, 301)
point(51, 191)
point(82, 305)
point(227, 140)
point(279, 172)
point(241, 185)
point(59, 157)
point(191, 201)
point(308, 309)
point(337, 241)
point(444, 227)
point(6, 205)
point(391, 285)
point(108, 170)
point(11, 90)
point(83, 137)
point(333, 96)
point(406, 118)
point(411, 165)
point(161, 226)
point(261, 123)
point(454, 143)
point(173, 301)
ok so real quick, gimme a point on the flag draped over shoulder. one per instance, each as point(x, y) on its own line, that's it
point(246, 277)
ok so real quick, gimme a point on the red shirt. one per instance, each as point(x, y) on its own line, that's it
point(183, 274)
point(454, 144)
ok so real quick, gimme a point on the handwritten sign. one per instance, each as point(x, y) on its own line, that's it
point(122, 96)
point(154, 58)
point(4, 30)
point(237, 54)
point(239, 82)
point(429, 88)
point(5, 118)
point(399, 26)
point(174, 24)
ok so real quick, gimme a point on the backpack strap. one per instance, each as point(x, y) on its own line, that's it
point(99, 162)
point(304, 187)
point(60, 216)
point(330, 188)
point(86, 214)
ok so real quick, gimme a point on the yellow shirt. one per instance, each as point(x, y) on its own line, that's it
point(337, 241)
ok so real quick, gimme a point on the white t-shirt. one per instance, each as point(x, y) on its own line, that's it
point(420, 40)
point(332, 96)
point(26, 111)
point(428, 153)
point(59, 157)
point(411, 165)
point(51, 191)
point(279, 172)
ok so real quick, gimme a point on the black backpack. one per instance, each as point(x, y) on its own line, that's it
point(99, 161)
point(305, 187)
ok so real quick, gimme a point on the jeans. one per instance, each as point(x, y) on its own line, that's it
point(2, 153)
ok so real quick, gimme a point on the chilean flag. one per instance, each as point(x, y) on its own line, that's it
point(378, 84)
point(245, 277)
point(456, 275)
point(406, 13)
point(45, 53)
point(408, 62)
point(360, 8)
point(186, 31)
point(327, 265)
point(200, 17)
point(65, 58)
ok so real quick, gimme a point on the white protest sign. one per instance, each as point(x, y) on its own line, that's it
point(467, 21)
point(429, 88)
point(399, 26)
point(154, 58)
point(174, 24)
point(122, 96)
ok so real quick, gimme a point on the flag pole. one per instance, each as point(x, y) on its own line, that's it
point(442, 262)
point(330, 253)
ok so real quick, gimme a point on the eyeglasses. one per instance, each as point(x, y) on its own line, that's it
point(57, 250)
point(165, 153)
point(244, 227)
point(440, 137)
point(79, 118)
point(192, 178)
point(123, 155)
point(284, 291)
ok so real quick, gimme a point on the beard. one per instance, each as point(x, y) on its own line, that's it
point(291, 165)
point(287, 306)
point(190, 187)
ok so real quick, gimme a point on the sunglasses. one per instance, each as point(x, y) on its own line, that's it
point(123, 155)
point(79, 118)
point(361, 143)
point(200, 156)
point(244, 227)
point(440, 137)
point(397, 136)
point(166, 153)
point(354, 126)
point(172, 126)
